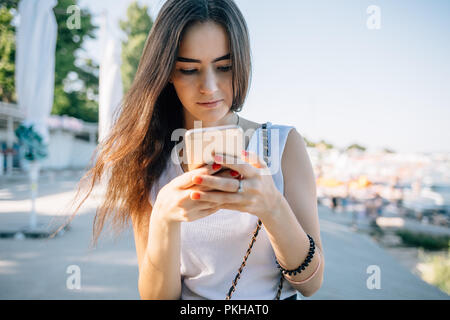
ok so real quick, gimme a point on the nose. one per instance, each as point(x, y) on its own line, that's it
point(208, 84)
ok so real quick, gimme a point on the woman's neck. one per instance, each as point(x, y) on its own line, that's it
point(229, 118)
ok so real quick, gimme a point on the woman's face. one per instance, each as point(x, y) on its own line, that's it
point(207, 79)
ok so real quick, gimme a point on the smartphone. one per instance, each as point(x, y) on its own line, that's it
point(202, 143)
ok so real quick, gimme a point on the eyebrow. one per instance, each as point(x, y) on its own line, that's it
point(182, 59)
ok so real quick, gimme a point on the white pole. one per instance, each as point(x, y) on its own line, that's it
point(34, 175)
point(9, 145)
point(1, 163)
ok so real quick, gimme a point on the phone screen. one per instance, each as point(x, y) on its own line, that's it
point(202, 143)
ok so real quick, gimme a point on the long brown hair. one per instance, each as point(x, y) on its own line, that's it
point(138, 147)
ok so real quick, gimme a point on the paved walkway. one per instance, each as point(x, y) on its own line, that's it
point(38, 269)
point(349, 254)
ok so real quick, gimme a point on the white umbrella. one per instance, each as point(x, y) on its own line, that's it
point(35, 72)
point(110, 80)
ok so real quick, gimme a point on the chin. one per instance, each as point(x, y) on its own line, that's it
point(212, 115)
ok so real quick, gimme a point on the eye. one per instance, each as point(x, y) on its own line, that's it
point(188, 71)
point(225, 68)
point(192, 71)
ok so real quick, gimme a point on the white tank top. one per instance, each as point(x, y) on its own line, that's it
point(213, 248)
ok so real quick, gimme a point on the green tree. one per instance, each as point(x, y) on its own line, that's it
point(7, 50)
point(387, 150)
point(76, 78)
point(136, 28)
point(325, 144)
point(309, 143)
point(356, 146)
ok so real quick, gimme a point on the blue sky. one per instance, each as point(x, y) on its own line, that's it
point(318, 67)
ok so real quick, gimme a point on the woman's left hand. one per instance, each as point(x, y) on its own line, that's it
point(259, 197)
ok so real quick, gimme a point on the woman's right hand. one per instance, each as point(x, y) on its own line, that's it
point(174, 203)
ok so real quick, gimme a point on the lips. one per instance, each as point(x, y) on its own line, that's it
point(210, 102)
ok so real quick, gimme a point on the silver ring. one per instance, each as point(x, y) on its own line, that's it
point(240, 187)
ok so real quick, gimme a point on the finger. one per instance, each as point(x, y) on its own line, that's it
point(199, 188)
point(233, 174)
point(200, 211)
point(207, 212)
point(227, 173)
point(196, 202)
point(219, 196)
point(185, 180)
point(256, 161)
point(236, 164)
point(211, 209)
point(216, 183)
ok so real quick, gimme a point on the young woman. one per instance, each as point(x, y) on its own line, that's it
point(193, 228)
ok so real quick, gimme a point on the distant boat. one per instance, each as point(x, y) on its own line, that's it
point(433, 199)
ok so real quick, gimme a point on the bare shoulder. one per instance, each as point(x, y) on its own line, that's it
point(296, 164)
point(295, 145)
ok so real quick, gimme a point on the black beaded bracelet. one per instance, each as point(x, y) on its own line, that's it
point(304, 264)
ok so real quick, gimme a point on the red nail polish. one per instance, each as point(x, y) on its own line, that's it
point(197, 180)
point(195, 195)
point(234, 173)
point(216, 166)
